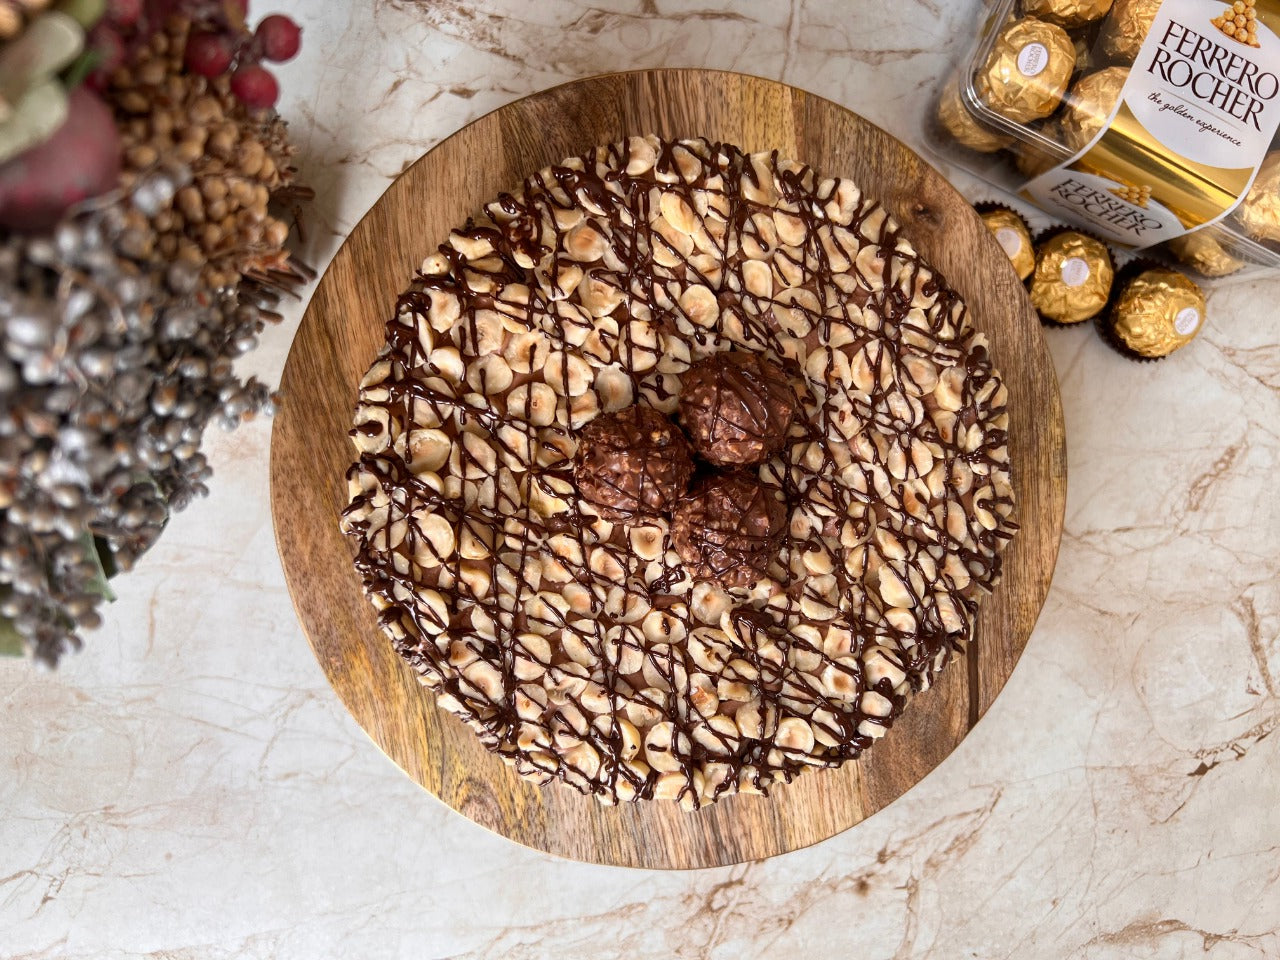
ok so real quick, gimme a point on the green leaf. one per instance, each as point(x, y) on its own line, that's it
point(80, 68)
point(84, 12)
point(36, 117)
point(106, 559)
point(98, 551)
point(10, 642)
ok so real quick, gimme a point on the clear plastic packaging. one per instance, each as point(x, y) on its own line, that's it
point(1149, 122)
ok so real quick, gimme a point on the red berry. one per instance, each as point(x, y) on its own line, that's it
point(279, 38)
point(255, 87)
point(124, 13)
point(208, 54)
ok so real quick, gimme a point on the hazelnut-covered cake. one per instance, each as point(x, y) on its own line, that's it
point(679, 473)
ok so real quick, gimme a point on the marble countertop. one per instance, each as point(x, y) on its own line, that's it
point(189, 787)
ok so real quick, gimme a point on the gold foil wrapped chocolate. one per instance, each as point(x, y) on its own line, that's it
point(956, 119)
point(1085, 59)
point(1032, 161)
point(1259, 213)
point(1158, 311)
point(1127, 26)
point(1072, 279)
point(1089, 104)
point(1010, 231)
point(1027, 71)
point(1204, 254)
point(1067, 13)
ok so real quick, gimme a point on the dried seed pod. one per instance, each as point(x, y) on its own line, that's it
point(198, 122)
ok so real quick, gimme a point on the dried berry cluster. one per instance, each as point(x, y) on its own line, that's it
point(111, 368)
point(221, 42)
point(239, 159)
point(121, 317)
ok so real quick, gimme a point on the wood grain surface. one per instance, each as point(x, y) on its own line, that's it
point(344, 327)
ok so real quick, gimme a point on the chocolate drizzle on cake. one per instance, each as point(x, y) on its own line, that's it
point(585, 649)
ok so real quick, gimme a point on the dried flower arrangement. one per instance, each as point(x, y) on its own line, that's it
point(147, 194)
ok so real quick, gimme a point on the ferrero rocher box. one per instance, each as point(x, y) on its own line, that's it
point(1149, 123)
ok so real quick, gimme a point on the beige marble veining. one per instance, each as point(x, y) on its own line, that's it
point(190, 788)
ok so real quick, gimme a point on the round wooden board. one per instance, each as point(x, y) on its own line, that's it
point(344, 328)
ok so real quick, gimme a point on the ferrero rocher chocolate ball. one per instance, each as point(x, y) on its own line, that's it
point(963, 127)
point(1158, 311)
point(1089, 104)
point(1032, 161)
point(632, 463)
point(1259, 214)
point(1126, 27)
point(1067, 13)
point(1072, 279)
point(729, 528)
point(736, 408)
point(1011, 232)
point(1027, 70)
point(1203, 252)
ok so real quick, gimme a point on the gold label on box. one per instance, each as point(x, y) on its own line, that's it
point(1181, 143)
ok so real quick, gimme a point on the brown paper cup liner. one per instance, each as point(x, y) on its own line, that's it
point(986, 206)
point(1108, 334)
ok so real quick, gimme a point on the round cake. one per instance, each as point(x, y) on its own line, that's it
point(645, 592)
